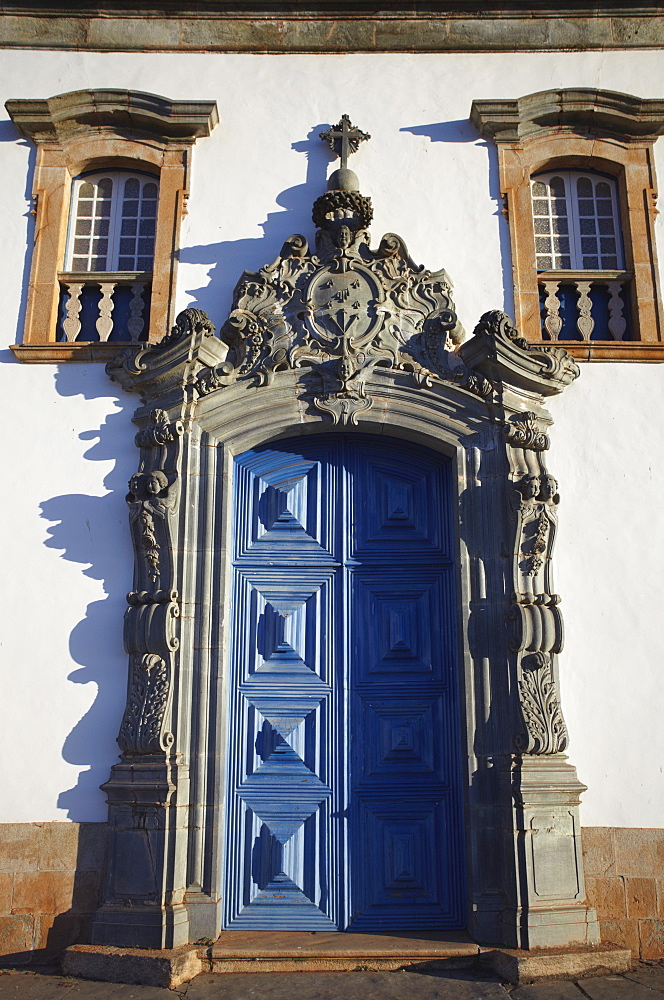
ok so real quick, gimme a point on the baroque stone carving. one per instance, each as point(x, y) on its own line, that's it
point(150, 640)
point(344, 138)
point(148, 500)
point(336, 312)
point(159, 431)
point(534, 618)
point(141, 727)
point(341, 312)
point(545, 726)
point(188, 322)
point(150, 619)
point(497, 350)
point(342, 327)
point(524, 431)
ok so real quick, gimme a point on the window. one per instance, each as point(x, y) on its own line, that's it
point(111, 234)
point(110, 187)
point(577, 175)
point(576, 222)
point(113, 223)
point(584, 289)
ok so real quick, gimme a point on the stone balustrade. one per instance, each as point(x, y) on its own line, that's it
point(74, 284)
point(579, 286)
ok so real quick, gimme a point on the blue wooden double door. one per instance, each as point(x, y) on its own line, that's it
point(344, 805)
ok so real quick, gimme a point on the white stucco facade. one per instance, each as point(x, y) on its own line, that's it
point(69, 439)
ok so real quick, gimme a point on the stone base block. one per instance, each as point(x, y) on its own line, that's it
point(521, 967)
point(168, 968)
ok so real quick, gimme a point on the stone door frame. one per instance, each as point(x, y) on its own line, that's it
point(524, 866)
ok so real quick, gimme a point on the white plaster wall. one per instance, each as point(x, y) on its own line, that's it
point(435, 183)
point(607, 455)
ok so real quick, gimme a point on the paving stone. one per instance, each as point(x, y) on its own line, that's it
point(651, 976)
point(549, 991)
point(618, 988)
point(86, 990)
point(341, 986)
point(32, 986)
point(40, 986)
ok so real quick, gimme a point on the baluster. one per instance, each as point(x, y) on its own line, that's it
point(105, 321)
point(617, 322)
point(553, 324)
point(585, 323)
point(71, 324)
point(135, 323)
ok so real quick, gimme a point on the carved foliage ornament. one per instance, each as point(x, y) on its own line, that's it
point(142, 723)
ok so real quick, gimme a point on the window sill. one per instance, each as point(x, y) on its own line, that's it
point(83, 352)
point(608, 350)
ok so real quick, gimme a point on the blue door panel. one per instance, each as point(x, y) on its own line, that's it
point(344, 794)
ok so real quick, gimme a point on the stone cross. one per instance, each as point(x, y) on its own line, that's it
point(343, 139)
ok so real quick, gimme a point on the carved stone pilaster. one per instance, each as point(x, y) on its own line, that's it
point(534, 618)
point(147, 790)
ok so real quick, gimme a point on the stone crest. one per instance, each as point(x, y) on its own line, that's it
point(342, 309)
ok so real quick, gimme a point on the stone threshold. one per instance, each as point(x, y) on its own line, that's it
point(306, 951)
point(295, 951)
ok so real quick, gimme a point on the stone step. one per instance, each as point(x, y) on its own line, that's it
point(323, 951)
point(294, 951)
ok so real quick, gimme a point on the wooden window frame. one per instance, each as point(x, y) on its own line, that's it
point(103, 130)
point(587, 130)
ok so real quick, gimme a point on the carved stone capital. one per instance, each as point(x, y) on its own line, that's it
point(527, 430)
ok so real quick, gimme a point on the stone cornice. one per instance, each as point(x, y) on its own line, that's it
point(144, 114)
point(332, 26)
point(603, 113)
point(497, 352)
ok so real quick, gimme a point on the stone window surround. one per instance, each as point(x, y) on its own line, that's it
point(582, 129)
point(103, 129)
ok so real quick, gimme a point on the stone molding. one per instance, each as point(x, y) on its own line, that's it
point(334, 27)
point(604, 113)
point(92, 129)
point(57, 118)
point(592, 130)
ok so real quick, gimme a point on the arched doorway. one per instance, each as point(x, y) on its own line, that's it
point(344, 799)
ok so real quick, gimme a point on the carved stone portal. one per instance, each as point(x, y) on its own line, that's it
point(337, 337)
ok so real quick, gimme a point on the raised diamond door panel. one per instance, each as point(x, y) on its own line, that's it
point(344, 794)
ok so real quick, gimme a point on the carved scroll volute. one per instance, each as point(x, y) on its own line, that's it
point(534, 619)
